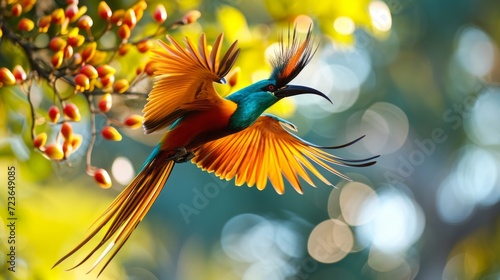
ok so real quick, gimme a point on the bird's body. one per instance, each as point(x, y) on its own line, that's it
point(230, 136)
point(200, 127)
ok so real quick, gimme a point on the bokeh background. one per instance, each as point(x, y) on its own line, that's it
point(419, 78)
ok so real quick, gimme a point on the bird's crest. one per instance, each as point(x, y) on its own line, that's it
point(291, 58)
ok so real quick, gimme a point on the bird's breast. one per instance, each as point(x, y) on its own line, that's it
point(199, 127)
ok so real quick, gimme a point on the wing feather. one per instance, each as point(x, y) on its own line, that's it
point(267, 151)
point(287, 169)
point(298, 167)
point(275, 164)
point(262, 173)
point(247, 167)
point(183, 76)
point(215, 53)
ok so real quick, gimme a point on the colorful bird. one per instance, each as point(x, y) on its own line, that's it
point(230, 136)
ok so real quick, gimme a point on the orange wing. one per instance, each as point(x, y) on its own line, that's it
point(265, 150)
point(184, 76)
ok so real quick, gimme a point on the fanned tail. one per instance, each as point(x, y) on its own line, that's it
point(125, 212)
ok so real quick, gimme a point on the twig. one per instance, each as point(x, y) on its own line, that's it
point(93, 133)
point(32, 112)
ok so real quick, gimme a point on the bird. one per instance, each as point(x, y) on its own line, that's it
point(231, 136)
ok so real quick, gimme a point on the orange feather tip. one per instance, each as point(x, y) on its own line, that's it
point(183, 74)
point(291, 58)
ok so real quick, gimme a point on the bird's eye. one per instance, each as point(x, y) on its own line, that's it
point(270, 88)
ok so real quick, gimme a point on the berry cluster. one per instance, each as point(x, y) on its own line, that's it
point(67, 45)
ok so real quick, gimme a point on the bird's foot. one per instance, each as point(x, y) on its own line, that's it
point(181, 155)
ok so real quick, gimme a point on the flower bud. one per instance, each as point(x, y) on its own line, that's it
point(26, 24)
point(85, 22)
point(107, 81)
point(104, 10)
point(71, 12)
point(6, 77)
point(133, 121)
point(139, 8)
point(129, 18)
point(110, 133)
point(144, 45)
point(82, 82)
point(71, 111)
point(117, 16)
point(68, 52)
point(67, 149)
point(67, 131)
point(89, 51)
point(76, 142)
point(150, 67)
point(57, 44)
point(160, 14)
point(44, 24)
point(141, 5)
point(76, 40)
point(89, 71)
point(57, 59)
point(40, 140)
point(105, 70)
point(27, 4)
point(105, 102)
point(102, 178)
point(99, 57)
point(58, 16)
point(124, 31)
point(54, 113)
point(121, 86)
point(139, 69)
point(19, 73)
point(16, 10)
point(124, 48)
point(191, 16)
point(54, 152)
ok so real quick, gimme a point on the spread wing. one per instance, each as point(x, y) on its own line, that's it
point(184, 76)
point(265, 150)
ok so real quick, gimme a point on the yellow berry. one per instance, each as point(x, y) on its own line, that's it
point(54, 113)
point(71, 111)
point(191, 16)
point(104, 10)
point(40, 140)
point(54, 151)
point(102, 178)
point(67, 131)
point(26, 24)
point(85, 22)
point(121, 86)
point(6, 77)
point(133, 121)
point(105, 102)
point(160, 14)
point(110, 133)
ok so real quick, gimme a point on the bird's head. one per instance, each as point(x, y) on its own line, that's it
point(287, 63)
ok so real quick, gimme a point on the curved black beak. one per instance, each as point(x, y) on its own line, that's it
point(291, 90)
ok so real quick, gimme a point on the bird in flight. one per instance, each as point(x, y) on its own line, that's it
point(231, 136)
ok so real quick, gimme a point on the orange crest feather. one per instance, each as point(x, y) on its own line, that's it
point(291, 59)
